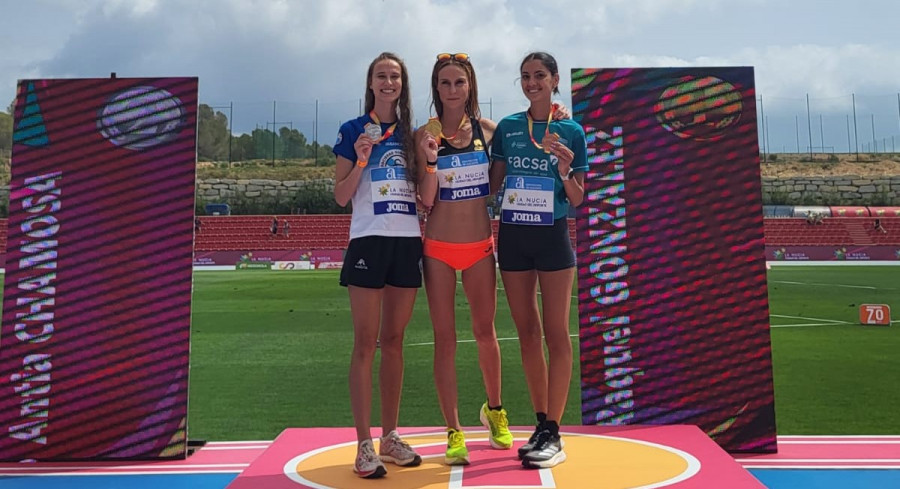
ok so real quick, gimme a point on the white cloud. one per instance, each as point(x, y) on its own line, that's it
point(297, 52)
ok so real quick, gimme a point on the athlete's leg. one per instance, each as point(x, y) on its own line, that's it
point(480, 284)
point(365, 308)
point(521, 292)
point(556, 297)
point(396, 312)
point(440, 287)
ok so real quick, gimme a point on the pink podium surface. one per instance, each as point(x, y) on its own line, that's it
point(676, 456)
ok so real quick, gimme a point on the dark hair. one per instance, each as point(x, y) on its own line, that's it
point(547, 60)
point(472, 108)
point(404, 110)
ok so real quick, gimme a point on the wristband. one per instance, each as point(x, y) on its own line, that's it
point(362, 163)
point(431, 168)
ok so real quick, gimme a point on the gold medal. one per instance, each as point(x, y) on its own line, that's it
point(433, 127)
point(373, 131)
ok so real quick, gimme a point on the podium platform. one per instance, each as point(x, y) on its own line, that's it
point(678, 456)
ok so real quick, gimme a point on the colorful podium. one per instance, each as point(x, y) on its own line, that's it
point(676, 456)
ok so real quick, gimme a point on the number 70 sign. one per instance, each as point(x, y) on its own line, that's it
point(879, 314)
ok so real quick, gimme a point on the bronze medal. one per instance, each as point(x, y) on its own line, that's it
point(548, 141)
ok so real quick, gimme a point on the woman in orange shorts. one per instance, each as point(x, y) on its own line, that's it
point(455, 186)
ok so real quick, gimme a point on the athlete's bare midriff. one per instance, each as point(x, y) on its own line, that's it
point(459, 222)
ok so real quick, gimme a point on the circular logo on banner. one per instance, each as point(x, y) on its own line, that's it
point(703, 108)
point(621, 462)
point(141, 117)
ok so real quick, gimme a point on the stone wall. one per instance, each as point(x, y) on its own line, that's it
point(216, 188)
point(843, 190)
point(840, 190)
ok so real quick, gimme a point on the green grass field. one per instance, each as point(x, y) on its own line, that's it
point(271, 350)
point(835, 376)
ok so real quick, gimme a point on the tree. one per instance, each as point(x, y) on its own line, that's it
point(262, 143)
point(6, 126)
point(294, 143)
point(243, 148)
point(12, 106)
point(325, 155)
point(212, 134)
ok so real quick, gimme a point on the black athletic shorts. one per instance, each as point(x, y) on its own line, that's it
point(522, 247)
point(373, 261)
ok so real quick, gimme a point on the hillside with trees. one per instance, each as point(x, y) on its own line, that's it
point(286, 144)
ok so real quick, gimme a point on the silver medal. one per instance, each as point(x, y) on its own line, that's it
point(374, 132)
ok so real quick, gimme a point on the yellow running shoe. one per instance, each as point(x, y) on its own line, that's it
point(496, 421)
point(457, 453)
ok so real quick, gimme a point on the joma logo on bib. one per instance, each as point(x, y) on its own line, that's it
point(466, 192)
point(525, 217)
point(397, 207)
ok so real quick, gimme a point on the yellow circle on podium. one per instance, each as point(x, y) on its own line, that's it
point(592, 460)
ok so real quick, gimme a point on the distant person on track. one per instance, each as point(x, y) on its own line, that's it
point(878, 227)
point(382, 266)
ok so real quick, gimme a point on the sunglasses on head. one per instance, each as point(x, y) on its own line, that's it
point(463, 57)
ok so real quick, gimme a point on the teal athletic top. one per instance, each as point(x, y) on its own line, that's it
point(513, 145)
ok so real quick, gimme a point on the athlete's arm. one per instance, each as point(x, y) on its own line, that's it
point(347, 173)
point(498, 172)
point(488, 127)
point(426, 150)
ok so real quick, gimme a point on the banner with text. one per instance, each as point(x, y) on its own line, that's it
point(673, 308)
point(97, 300)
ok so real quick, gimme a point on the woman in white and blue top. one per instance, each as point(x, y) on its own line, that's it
point(541, 163)
point(383, 264)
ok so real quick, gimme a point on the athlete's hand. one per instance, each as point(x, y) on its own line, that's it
point(564, 155)
point(363, 147)
point(430, 146)
point(560, 112)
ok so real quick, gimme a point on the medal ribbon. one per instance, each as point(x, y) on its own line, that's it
point(462, 124)
point(387, 133)
point(531, 125)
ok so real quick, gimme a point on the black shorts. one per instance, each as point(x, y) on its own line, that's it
point(373, 261)
point(544, 248)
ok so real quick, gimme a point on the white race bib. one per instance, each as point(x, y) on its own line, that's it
point(463, 176)
point(528, 200)
point(391, 192)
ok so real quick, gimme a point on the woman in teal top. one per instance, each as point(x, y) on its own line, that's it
point(541, 163)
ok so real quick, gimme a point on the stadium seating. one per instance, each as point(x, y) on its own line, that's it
point(307, 232)
point(329, 232)
point(832, 231)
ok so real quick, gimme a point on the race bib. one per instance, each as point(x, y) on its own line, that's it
point(463, 176)
point(391, 192)
point(528, 200)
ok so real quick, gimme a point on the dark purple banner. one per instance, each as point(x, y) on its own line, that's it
point(671, 262)
point(97, 299)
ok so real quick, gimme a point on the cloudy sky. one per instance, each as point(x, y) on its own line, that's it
point(251, 52)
